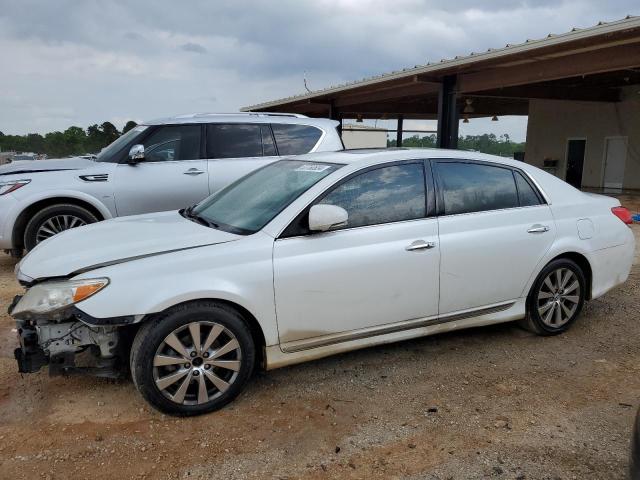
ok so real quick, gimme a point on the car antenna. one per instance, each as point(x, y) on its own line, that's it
point(304, 79)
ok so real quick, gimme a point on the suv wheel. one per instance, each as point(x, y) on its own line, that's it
point(55, 219)
point(192, 359)
point(556, 298)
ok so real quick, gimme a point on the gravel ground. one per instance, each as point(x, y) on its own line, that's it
point(492, 402)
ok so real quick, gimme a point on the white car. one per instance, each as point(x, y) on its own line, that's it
point(161, 165)
point(312, 256)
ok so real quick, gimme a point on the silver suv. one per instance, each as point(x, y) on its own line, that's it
point(161, 165)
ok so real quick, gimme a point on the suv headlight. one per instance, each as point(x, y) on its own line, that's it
point(49, 297)
point(12, 185)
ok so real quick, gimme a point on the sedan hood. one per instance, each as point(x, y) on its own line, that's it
point(116, 241)
point(37, 166)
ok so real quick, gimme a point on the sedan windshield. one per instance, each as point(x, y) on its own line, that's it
point(250, 203)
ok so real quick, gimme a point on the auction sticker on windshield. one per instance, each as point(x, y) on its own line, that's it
point(312, 168)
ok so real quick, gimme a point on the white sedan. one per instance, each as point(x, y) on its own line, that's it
point(312, 256)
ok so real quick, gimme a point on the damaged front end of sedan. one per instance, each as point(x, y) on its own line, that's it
point(53, 331)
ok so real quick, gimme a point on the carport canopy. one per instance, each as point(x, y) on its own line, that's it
point(590, 64)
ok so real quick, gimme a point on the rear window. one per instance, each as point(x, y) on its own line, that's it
point(233, 141)
point(295, 139)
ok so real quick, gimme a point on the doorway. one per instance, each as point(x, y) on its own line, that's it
point(615, 158)
point(575, 161)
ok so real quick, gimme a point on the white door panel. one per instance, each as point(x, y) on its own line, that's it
point(224, 171)
point(356, 278)
point(159, 186)
point(488, 257)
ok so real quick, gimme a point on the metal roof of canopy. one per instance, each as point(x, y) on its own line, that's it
point(583, 64)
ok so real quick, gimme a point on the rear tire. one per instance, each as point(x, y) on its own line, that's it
point(192, 359)
point(556, 298)
point(55, 219)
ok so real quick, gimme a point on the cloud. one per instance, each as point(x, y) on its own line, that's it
point(193, 47)
point(152, 58)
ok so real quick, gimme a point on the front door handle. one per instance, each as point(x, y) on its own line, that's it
point(538, 229)
point(193, 171)
point(419, 245)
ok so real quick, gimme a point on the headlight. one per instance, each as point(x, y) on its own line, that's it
point(12, 185)
point(49, 297)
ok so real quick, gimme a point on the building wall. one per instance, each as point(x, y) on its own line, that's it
point(552, 122)
point(367, 139)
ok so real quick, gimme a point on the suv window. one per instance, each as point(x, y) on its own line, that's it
point(472, 187)
point(388, 194)
point(295, 139)
point(526, 192)
point(268, 146)
point(234, 140)
point(168, 143)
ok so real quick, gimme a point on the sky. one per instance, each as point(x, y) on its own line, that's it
point(73, 62)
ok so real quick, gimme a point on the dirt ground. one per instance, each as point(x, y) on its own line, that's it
point(492, 402)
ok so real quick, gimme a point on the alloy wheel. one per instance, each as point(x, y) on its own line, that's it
point(57, 224)
point(197, 363)
point(558, 297)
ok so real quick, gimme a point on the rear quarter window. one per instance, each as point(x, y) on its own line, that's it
point(526, 193)
point(295, 139)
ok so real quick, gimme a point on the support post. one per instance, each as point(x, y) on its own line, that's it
point(448, 116)
point(399, 131)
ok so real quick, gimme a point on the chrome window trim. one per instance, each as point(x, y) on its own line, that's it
point(348, 229)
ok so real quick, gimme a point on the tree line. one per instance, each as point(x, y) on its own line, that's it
point(77, 141)
point(487, 143)
point(73, 141)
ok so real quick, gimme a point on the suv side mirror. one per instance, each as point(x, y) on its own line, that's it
point(326, 217)
point(136, 154)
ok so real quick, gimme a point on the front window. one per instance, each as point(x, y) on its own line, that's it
point(389, 194)
point(247, 205)
point(108, 153)
point(173, 142)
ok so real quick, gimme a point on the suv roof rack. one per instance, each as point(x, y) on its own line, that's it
point(256, 114)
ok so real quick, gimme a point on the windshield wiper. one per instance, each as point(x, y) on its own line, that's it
point(188, 213)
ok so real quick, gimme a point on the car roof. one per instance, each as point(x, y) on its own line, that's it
point(372, 156)
point(290, 118)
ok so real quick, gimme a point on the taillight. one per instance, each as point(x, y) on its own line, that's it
point(623, 214)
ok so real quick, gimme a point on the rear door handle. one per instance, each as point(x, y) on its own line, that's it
point(538, 229)
point(193, 172)
point(419, 245)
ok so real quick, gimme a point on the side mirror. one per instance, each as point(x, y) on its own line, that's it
point(136, 154)
point(326, 217)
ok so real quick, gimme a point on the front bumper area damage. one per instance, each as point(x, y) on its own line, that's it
point(68, 346)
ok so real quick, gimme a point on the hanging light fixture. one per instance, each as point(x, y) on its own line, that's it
point(495, 118)
point(468, 108)
point(466, 119)
point(359, 118)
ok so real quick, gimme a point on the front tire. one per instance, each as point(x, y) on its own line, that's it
point(556, 298)
point(53, 220)
point(192, 359)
